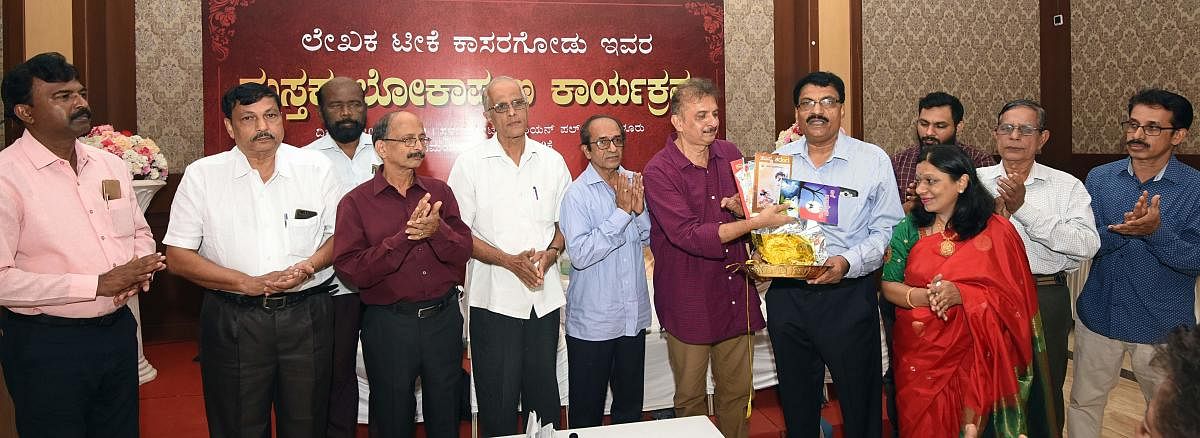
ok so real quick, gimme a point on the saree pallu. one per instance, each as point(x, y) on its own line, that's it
point(978, 365)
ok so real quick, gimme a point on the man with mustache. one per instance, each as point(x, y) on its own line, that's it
point(606, 226)
point(409, 275)
point(253, 226)
point(74, 248)
point(1052, 212)
point(697, 230)
point(509, 189)
point(349, 150)
point(833, 320)
point(939, 121)
point(1143, 278)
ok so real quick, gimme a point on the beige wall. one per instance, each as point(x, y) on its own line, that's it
point(985, 52)
point(750, 75)
point(170, 83)
point(46, 28)
point(1120, 47)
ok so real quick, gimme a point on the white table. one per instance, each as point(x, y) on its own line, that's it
point(690, 427)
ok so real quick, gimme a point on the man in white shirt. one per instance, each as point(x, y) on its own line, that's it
point(253, 225)
point(1052, 212)
point(509, 189)
point(352, 155)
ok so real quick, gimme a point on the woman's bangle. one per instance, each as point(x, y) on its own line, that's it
point(908, 297)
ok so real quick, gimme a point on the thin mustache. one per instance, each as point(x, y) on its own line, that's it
point(1133, 142)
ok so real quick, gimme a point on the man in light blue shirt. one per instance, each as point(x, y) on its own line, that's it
point(833, 320)
point(606, 226)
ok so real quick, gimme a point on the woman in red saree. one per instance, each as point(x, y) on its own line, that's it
point(966, 316)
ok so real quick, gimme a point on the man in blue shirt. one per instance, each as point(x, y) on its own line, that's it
point(1143, 278)
point(604, 220)
point(833, 320)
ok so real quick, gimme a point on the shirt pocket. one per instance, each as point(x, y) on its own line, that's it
point(302, 235)
point(122, 219)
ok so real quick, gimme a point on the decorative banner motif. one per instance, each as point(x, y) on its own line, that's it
point(433, 58)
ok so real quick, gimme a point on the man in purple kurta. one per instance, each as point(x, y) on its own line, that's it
point(696, 231)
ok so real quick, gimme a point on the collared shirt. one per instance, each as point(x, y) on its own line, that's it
point(1055, 221)
point(513, 208)
point(698, 299)
point(350, 173)
point(58, 234)
point(608, 296)
point(904, 163)
point(1142, 287)
point(866, 212)
point(372, 252)
point(225, 211)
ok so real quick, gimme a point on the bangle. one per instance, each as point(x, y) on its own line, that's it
point(555, 248)
point(908, 297)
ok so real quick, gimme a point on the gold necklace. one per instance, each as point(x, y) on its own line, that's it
point(946, 248)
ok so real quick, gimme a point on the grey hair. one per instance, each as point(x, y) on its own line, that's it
point(1026, 103)
point(487, 88)
point(694, 88)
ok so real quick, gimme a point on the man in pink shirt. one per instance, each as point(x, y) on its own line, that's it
point(74, 247)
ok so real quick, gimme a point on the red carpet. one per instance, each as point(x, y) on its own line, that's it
point(173, 404)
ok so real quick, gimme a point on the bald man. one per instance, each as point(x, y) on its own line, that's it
point(349, 149)
point(408, 275)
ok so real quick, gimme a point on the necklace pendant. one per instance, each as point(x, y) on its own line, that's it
point(946, 248)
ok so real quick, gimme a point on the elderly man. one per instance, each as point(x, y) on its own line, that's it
point(349, 150)
point(1143, 279)
point(253, 225)
point(709, 313)
point(509, 189)
point(1052, 212)
point(408, 274)
point(608, 302)
point(833, 320)
point(939, 120)
point(73, 248)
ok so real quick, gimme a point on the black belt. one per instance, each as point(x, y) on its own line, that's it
point(59, 321)
point(427, 308)
point(1055, 279)
point(279, 300)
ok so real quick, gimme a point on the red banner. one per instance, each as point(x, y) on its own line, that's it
point(433, 58)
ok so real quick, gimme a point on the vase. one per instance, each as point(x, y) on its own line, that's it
point(144, 190)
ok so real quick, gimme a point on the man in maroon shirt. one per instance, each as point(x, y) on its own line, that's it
point(939, 120)
point(408, 275)
point(695, 232)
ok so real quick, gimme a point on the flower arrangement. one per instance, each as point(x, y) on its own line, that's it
point(789, 135)
point(142, 155)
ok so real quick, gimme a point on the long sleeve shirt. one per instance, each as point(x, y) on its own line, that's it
point(869, 206)
point(904, 163)
point(350, 172)
point(608, 296)
point(698, 299)
point(372, 252)
point(57, 231)
point(1142, 287)
point(1055, 222)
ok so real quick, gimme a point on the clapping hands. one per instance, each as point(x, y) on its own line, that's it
point(943, 294)
point(1144, 219)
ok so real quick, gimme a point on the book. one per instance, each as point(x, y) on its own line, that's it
point(743, 174)
point(769, 172)
point(810, 200)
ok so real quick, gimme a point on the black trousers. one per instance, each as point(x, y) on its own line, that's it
point(594, 366)
point(513, 361)
point(1054, 303)
point(887, 313)
point(69, 381)
point(252, 358)
point(343, 389)
point(397, 349)
point(814, 326)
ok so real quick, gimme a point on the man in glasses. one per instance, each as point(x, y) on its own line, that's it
point(939, 121)
point(1143, 279)
point(606, 226)
point(509, 189)
point(349, 150)
point(409, 274)
point(833, 320)
point(1052, 212)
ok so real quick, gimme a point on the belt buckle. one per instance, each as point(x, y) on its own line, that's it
point(269, 303)
point(431, 309)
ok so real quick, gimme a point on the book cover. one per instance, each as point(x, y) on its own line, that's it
point(743, 174)
point(769, 172)
point(810, 200)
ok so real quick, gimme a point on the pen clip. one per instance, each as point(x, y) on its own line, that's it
point(285, 218)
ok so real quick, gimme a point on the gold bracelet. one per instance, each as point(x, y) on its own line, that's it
point(908, 297)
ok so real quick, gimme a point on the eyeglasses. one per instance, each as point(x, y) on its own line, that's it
point(607, 143)
point(1131, 127)
point(409, 142)
point(809, 104)
point(503, 107)
point(1024, 130)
